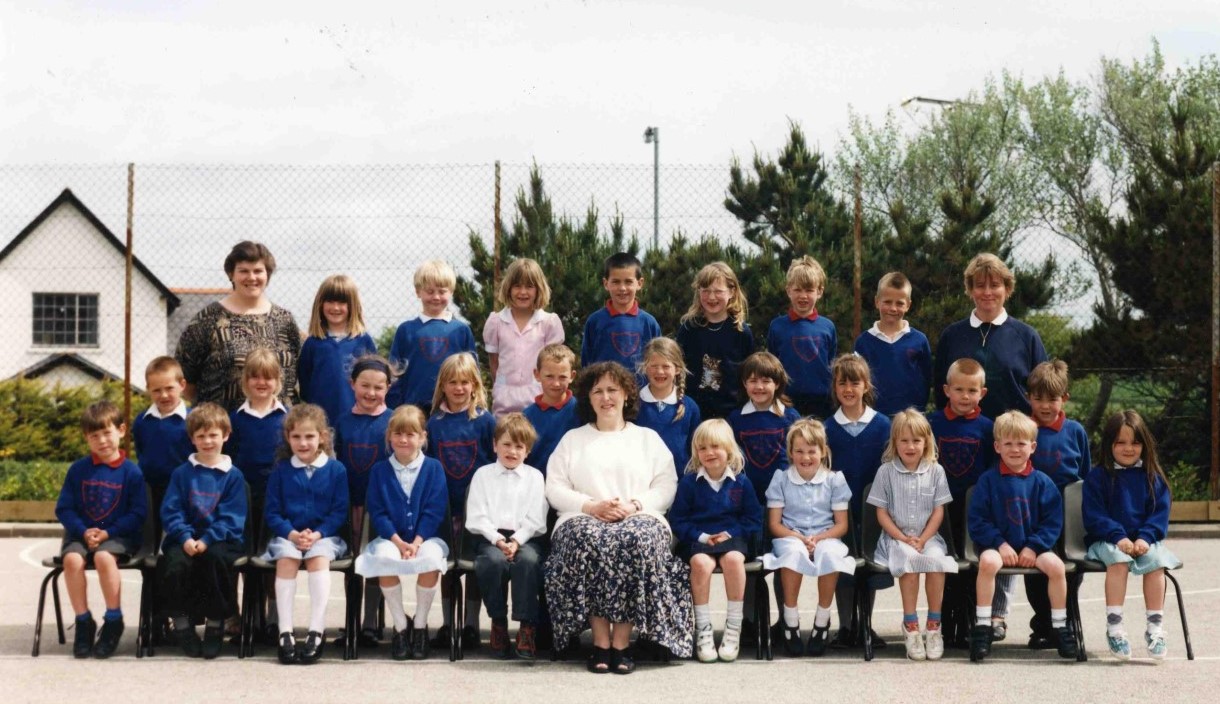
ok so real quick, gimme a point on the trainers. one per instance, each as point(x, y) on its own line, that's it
point(420, 649)
point(499, 639)
point(1156, 645)
point(213, 641)
point(999, 630)
point(189, 641)
point(108, 639)
point(818, 640)
point(1120, 647)
point(526, 647)
point(730, 643)
point(934, 645)
point(82, 644)
point(400, 644)
point(287, 652)
point(1043, 641)
point(914, 642)
point(1065, 642)
point(980, 642)
point(705, 645)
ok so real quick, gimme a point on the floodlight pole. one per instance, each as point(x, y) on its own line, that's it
point(652, 135)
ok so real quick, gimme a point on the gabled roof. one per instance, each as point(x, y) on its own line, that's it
point(71, 359)
point(69, 198)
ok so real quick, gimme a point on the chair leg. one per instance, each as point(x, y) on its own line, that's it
point(764, 617)
point(42, 602)
point(864, 603)
point(1073, 604)
point(758, 618)
point(1177, 589)
point(59, 613)
point(142, 631)
point(458, 608)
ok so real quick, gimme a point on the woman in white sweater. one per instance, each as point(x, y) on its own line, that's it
point(610, 565)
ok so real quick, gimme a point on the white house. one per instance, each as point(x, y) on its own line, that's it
point(62, 280)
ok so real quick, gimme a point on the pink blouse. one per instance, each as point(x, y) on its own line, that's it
point(514, 387)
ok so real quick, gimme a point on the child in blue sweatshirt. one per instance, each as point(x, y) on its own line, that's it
point(337, 338)
point(553, 412)
point(664, 405)
point(258, 425)
point(715, 515)
point(159, 434)
point(761, 425)
point(204, 519)
point(899, 355)
point(804, 341)
point(1126, 517)
point(1015, 519)
point(102, 508)
point(306, 507)
point(619, 331)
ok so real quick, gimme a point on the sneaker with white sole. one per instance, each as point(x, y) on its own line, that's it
point(915, 649)
point(1120, 647)
point(934, 645)
point(999, 630)
point(1156, 645)
point(705, 645)
point(730, 644)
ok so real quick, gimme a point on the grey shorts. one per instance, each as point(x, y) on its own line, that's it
point(114, 546)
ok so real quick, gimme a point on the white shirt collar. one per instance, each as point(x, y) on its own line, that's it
point(445, 317)
point(999, 319)
point(647, 397)
point(501, 470)
point(506, 314)
point(819, 477)
point(245, 407)
point(179, 410)
point(318, 463)
point(867, 417)
point(411, 466)
point(924, 466)
point(875, 331)
point(777, 408)
point(224, 464)
point(715, 483)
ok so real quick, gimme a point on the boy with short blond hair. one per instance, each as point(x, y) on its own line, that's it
point(102, 507)
point(618, 331)
point(804, 341)
point(159, 433)
point(553, 412)
point(898, 354)
point(423, 343)
point(1016, 517)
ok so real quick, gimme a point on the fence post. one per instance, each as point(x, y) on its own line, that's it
point(131, 176)
point(857, 273)
point(1215, 385)
point(498, 226)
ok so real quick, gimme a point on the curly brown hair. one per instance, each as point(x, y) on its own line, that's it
point(590, 375)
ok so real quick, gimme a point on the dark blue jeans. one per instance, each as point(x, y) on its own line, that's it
point(494, 572)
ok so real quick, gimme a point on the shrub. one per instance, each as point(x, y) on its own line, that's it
point(43, 423)
point(31, 481)
point(1186, 482)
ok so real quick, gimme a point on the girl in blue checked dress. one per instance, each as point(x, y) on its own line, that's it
point(1126, 516)
point(664, 405)
point(306, 507)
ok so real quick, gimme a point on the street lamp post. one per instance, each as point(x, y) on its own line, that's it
point(652, 135)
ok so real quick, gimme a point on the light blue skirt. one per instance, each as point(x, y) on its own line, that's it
point(1157, 557)
point(904, 559)
point(331, 548)
point(830, 555)
point(381, 558)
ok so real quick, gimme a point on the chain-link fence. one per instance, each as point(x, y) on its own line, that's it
point(64, 227)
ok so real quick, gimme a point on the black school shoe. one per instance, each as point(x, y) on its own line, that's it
point(792, 641)
point(400, 645)
point(1065, 642)
point(213, 641)
point(419, 644)
point(108, 640)
point(980, 642)
point(843, 640)
point(816, 647)
point(288, 650)
point(189, 641)
point(82, 643)
point(315, 642)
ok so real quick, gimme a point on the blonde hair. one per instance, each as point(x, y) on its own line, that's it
point(308, 413)
point(556, 352)
point(262, 362)
point(1014, 424)
point(407, 418)
point(806, 273)
point(524, 272)
point(668, 350)
point(339, 288)
point(894, 281)
point(1049, 379)
point(518, 429)
point(913, 422)
point(737, 307)
point(717, 433)
point(989, 266)
point(852, 367)
point(812, 432)
point(163, 364)
point(207, 416)
point(966, 366)
point(435, 272)
point(461, 366)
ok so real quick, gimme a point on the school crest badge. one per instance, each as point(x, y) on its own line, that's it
point(806, 347)
point(203, 503)
point(762, 447)
point(1017, 510)
point(458, 457)
point(434, 349)
point(627, 344)
point(1048, 461)
point(360, 457)
point(957, 455)
point(101, 498)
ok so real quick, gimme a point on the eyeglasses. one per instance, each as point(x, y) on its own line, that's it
point(714, 292)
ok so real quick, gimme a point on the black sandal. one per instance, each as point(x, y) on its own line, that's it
point(599, 661)
point(621, 662)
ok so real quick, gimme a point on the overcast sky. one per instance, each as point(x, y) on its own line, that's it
point(472, 82)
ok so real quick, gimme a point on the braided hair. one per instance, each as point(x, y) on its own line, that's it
point(668, 350)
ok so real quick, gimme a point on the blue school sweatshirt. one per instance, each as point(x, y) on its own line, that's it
point(324, 371)
point(698, 508)
point(1063, 451)
point(420, 346)
point(161, 445)
point(901, 370)
point(857, 457)
point(713, 354)
point(461, 444)
point(1010, 353)
point(551, 423)
point(1120, 504)
point(1021, 510)
point(805, 346)
point(392, 512)
point(359, 444)
point(253, 443)
point(763, 437)
point(296, 501)
point(103, 495)
point(617, 337)
point(204, 503)
point(964, 447)
point(676, 435)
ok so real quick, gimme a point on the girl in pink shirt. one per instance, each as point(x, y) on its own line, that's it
point(515, 335)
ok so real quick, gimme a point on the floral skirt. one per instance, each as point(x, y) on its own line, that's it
point(623, 572)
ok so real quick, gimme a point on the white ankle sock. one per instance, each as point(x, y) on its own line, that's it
point(393, 603)
point(982, 615)
point(792, 616)
point(1155, 620)
point(703, 616)
point(1059, 618)
point(1114, 620)
point(423, 604)
point(319, 595)
point(285, 596)
point(821, 618)
point(735, 611)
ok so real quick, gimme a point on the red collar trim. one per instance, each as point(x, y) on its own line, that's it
point(1057, 424)
point(1005, 471)
point(113, 465)
point(543, 405)
point(635, 309)
point(969, 416)
point(794, 316)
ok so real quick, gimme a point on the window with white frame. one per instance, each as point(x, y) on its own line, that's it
point(65, 319)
